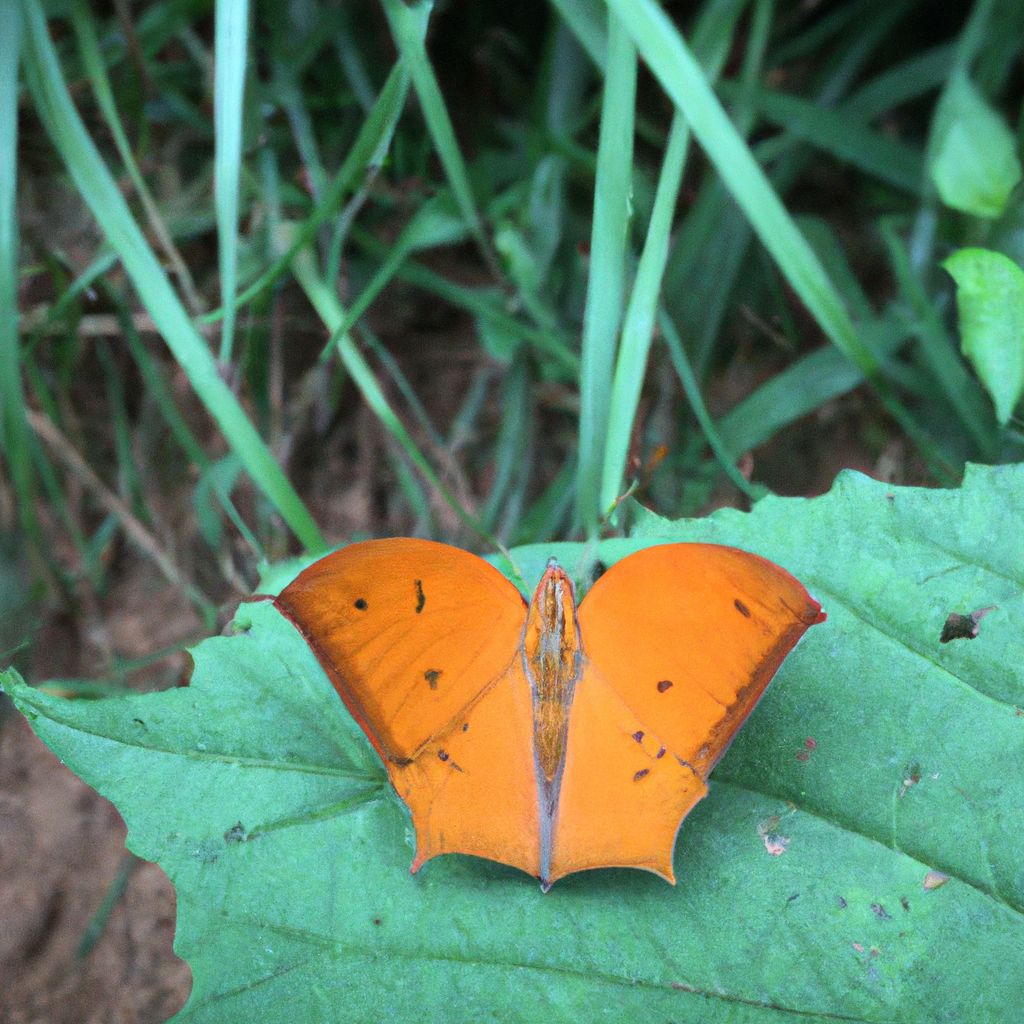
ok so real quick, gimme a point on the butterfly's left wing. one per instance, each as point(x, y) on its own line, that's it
point(422, 643)
point(679, 643)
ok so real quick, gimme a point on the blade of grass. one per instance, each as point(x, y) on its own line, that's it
point(160, 394)
point(129, 484)
point(912, 78)
point(512, 446)
point(586, 20)
point(692, 391)
point(13, 425)
point(101, 194)
point(802, 387)
point(673, 64)
point(844, 137)
point(330, 310)
point(406, 24)
point(638, 325)
point(92, 58)
point(486, 303)
point(712, 37)
point(368, 150)
point(606, 281)
point(548, 517)
point(434, 223)
point(230, 42)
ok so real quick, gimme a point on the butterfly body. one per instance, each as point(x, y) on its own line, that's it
point(549, 737)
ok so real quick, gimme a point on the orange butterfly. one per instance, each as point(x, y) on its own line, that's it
point(543, 736)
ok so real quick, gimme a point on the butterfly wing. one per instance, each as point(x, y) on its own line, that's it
point(679, 643)
point(422, 643)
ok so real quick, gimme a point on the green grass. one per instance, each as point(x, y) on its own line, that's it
point(615, 215)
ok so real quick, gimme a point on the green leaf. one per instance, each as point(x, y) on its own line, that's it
point(290, 854)
point(973, 161)
point(990, 299)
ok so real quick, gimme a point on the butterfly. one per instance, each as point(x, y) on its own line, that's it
point(546, 736)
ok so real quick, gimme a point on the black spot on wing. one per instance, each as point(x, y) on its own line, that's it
point(360, 603)
point(432, 675)
point(442, 755)
point(741, 608)
point(642, 774)
point(639, 735)
point(421, 598)
point(664, 684)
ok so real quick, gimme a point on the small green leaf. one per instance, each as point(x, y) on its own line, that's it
point(973, 159)
point(990, 298)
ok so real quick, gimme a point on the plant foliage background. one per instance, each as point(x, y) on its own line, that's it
point(278, 276)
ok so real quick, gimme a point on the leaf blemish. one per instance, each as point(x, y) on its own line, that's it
point(360, 603)
point(421, 598)
point(235, 834)
point(774, 842)
point(741, 608)
point(664, 684)
point(432, 675)
point(880, 912)
point(963, 627)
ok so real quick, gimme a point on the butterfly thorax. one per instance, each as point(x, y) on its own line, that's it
point(551, 655)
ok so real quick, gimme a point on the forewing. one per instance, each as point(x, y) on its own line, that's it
point(410, 632)
point(689, 636)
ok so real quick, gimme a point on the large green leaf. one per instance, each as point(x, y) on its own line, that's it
point(290, 855)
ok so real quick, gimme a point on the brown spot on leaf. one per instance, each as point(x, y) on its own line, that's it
point(934, 879)
point(904, 903)
point(774, 842)
point(963, 627)
point(880, 912)
point(432, 675)
point(741, 608)
point(664, 684)
point(236, 834)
